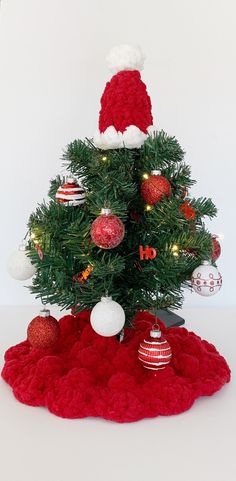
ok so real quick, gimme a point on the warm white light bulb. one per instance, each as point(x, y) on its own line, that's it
point(145, 176)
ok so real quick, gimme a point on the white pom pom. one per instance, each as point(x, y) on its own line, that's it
point(133, 137)
point(125, 57)
point(113, 138)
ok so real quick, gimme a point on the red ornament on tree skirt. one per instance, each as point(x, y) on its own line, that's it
point(43, 331)
point(216, 249)
point(89, 375)
point(107, 231)
point(155, 188)
point(155, 352)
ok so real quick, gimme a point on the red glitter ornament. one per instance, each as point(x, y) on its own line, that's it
point(216, 249)
point(107, 231)
point(155, 188)
point(155, 352)
point(43, 331)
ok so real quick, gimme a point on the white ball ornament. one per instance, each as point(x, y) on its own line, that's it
point(19, 265)
point(107, 317)
point(206, 279)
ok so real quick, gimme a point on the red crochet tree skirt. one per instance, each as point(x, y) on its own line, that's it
point(89, 375)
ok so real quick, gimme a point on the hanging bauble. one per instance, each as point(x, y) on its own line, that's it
point(70, 193)
point(43, 331)
point(107, 231)
point(188, 211)
point(19, 265)
point(155, 351)
point(155, 188)
point(135, 216)
point(189, 251)
point(216, 248)
point(107, 317)
point(206, 279)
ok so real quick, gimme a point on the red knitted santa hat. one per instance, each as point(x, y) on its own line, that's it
point(125, 118)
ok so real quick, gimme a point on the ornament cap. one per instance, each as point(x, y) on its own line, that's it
point(70, 180)
point(155, 332)
point(156, 172)
point(105, 211)
point(22, 247)
point(106, 299)
point(205, 263)
point(44, 313)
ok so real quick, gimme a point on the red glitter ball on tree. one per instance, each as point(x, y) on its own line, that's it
point(155, 352)
point(155, 188)
point(107, 230)
point(43, 331)
point(216, 249)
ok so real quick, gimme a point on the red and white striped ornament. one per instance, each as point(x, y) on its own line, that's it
point(155, 352)
point(70, 193)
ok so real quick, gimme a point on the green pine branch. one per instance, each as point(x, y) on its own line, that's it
point(112, 179)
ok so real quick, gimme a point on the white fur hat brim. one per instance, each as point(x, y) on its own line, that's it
point(131, 138)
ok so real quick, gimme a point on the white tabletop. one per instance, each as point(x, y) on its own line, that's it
point(196, 445)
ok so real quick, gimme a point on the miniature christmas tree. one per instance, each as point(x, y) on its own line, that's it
point(144, 182)
point(121, 236)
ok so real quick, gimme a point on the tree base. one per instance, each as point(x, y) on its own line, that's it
point(169, 318)
point(89, 375)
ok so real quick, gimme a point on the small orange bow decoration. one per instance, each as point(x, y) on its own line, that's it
point(83, 276)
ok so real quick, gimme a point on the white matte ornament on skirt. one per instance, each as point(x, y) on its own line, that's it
point(206, 279)
point(107, 317)
point(19, 265)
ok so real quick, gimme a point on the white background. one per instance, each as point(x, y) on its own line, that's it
point(53, 72)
